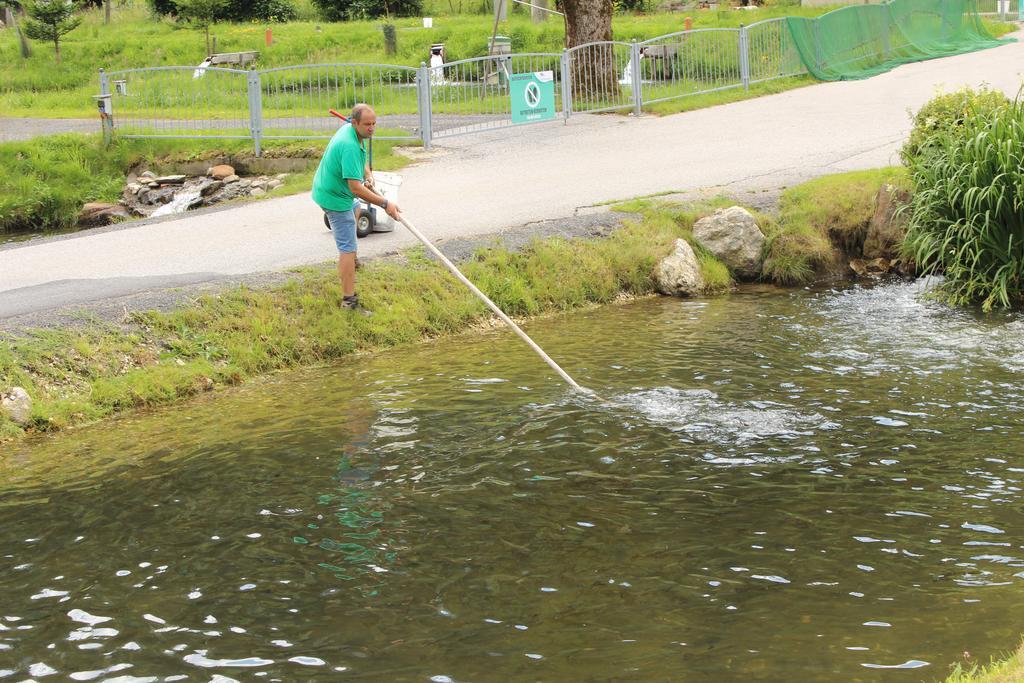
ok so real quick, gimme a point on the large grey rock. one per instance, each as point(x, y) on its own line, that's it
point(887, 229)
point(733, 236)
point(16, 404)
point(678, 274)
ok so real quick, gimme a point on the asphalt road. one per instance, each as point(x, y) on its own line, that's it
point(483, 183)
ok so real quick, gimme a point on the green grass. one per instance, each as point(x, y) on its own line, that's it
point(819, 217)
point(46, 180)
point(1007, 670)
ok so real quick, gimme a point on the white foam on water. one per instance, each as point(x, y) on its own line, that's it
point(702, 414)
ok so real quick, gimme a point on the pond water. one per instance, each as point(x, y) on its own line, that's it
point(794, 486)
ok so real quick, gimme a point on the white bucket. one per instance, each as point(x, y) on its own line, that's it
point(386, 185)
point(428, 22)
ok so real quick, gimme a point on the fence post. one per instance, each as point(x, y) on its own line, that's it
point(885, 33)
point(255, 90)
point(635, 76)
point(817, 43)
point(106, 107)
point(566, 85)
point(423, 97)
point(744, 57)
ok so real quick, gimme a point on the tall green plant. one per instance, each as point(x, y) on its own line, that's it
point(50, 20)
point(967, 215)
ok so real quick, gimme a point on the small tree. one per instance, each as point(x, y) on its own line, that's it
point(201, 13)
point(51, 20)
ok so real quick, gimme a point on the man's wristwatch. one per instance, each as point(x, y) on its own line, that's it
point(384, 205)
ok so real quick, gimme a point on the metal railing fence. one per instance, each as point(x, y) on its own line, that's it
point(472, 95)
point(455, 98)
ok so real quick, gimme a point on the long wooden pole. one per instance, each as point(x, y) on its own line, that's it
point(494, 307)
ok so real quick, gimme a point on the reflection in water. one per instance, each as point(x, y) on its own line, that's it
point(805, 486)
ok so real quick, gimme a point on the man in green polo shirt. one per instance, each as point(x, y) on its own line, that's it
point(342, 176)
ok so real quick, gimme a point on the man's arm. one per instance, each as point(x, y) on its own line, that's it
point(366, 194)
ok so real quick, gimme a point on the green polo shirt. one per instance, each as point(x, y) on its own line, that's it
point(344, 158)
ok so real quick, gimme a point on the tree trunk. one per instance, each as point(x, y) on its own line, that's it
point(537, 13)
point(208, 52)
point(594, 74)
point(106, 11)
point(56, 48)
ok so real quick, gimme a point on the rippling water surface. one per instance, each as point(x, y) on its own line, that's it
point(808, 486)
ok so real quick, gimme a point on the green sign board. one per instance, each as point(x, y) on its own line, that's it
point(533, 96)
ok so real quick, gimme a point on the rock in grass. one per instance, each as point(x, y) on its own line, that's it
point(221, 171)
point(678, 274)
point(16, 404)
point(734, 237)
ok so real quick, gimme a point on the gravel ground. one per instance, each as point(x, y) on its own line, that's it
point(23, 129)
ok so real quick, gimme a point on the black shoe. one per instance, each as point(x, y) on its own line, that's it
point(351, 303)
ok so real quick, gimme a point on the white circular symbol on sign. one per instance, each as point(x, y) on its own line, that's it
point(532, 95)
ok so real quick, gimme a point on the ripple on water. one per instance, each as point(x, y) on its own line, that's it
point(701, 413)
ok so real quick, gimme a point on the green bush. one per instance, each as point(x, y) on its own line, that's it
point(343, 10)
point(946, 113)
point(967, 215)
point(239, 10)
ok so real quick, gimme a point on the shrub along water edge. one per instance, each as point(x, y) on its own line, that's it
point(966, 219)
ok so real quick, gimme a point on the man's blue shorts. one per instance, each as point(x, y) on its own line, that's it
point(343, 225)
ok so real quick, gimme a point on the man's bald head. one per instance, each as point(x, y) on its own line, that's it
point(364, 120)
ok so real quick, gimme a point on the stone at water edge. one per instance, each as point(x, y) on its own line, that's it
point(870, 268)
point(258, 192)
point(231, 179)
point(211, 187)
point(148, 175)
point(170, 179)
point(735, 239)
point(274, 184)
point(17, 405)
point(678, 274)
point(221, 172)
point(96, 214)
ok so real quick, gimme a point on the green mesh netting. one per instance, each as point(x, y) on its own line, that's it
point(864, 40)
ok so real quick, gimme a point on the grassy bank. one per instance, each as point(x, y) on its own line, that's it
point(81, 375)
point(46, 180)
point(1008, 670)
